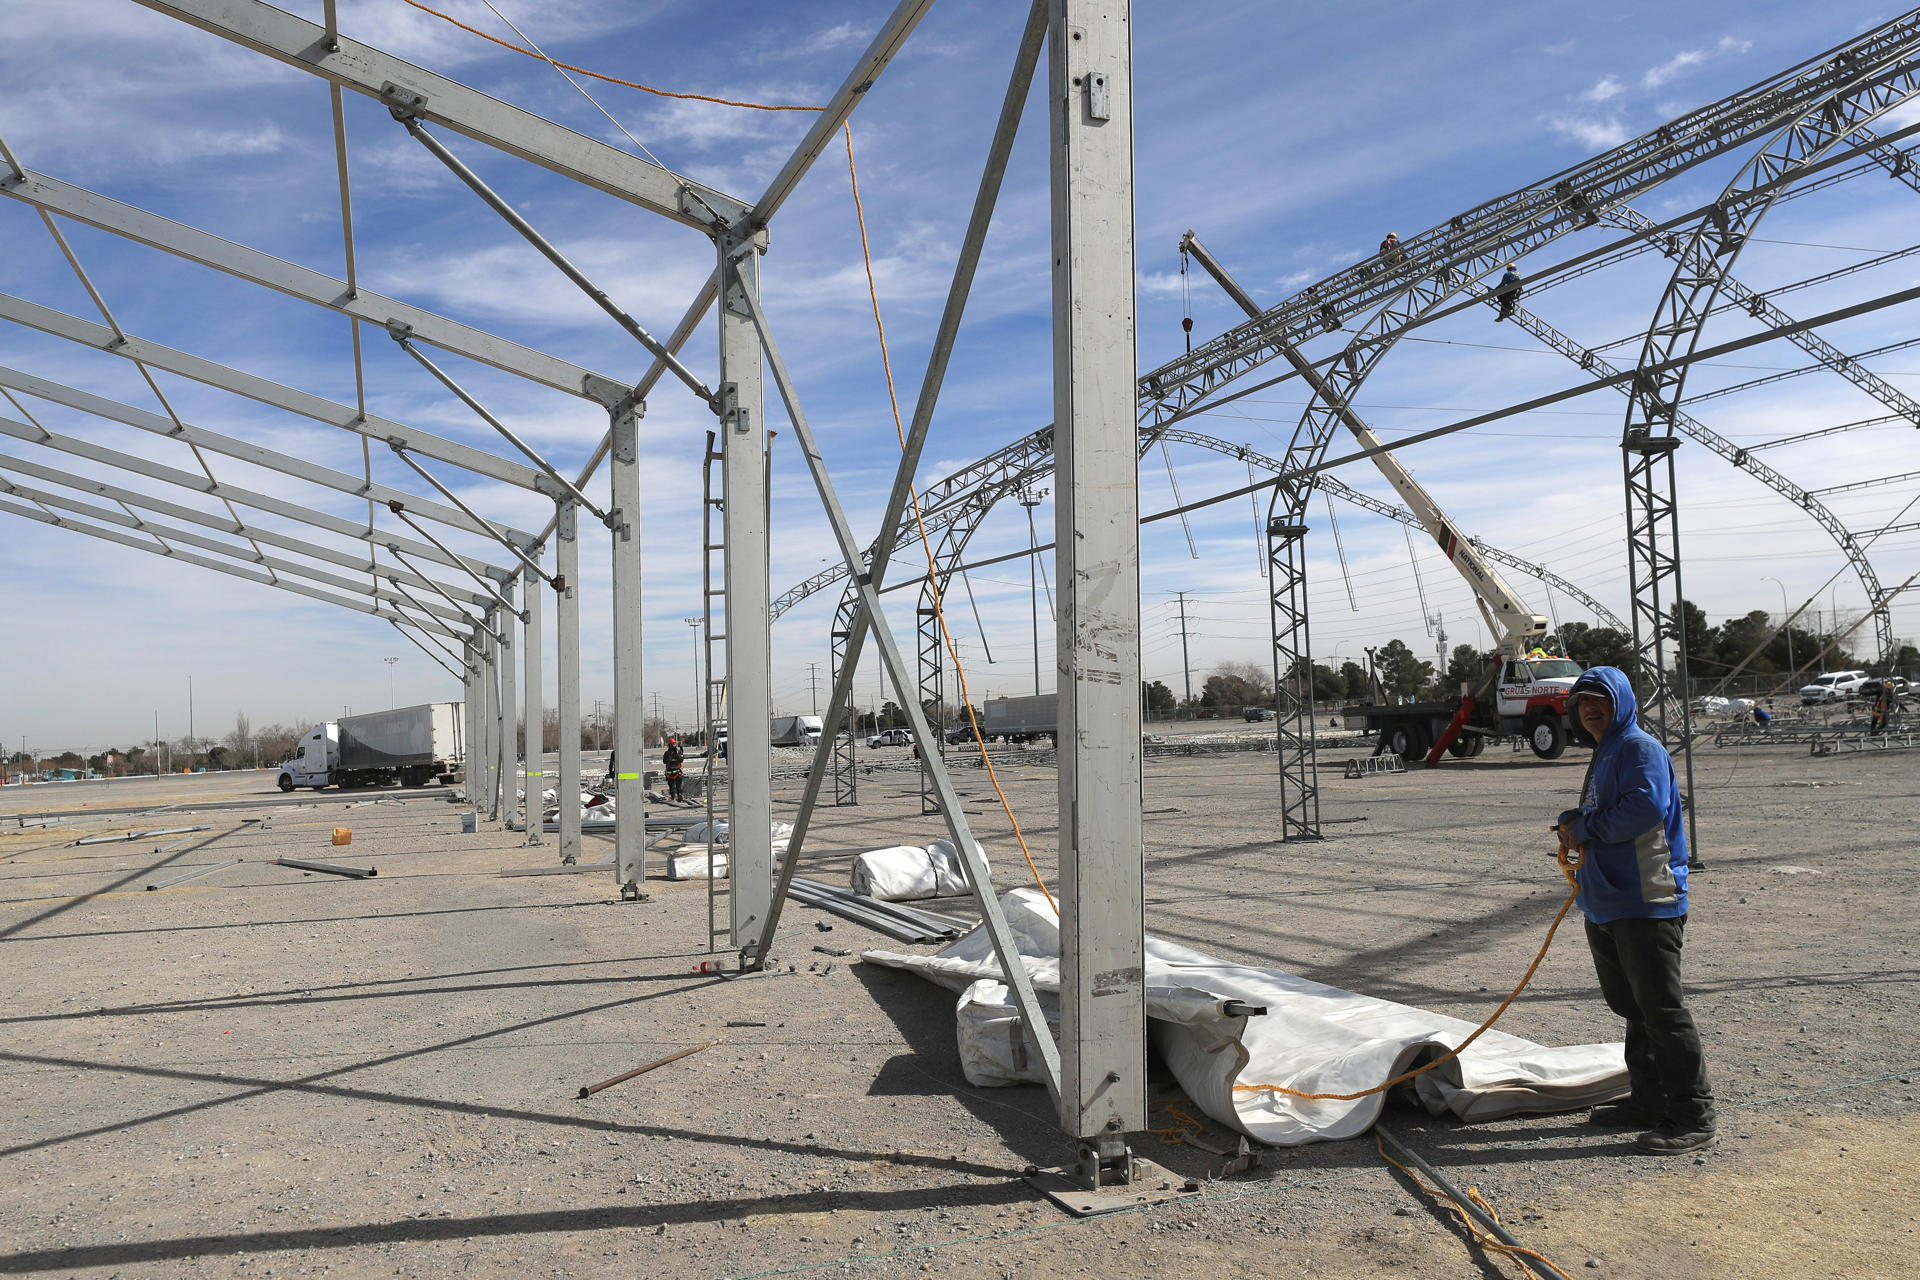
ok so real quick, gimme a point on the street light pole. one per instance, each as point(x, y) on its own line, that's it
point(1030, 498)
point(698, 718)
point(1785, 618)
point(389, 662)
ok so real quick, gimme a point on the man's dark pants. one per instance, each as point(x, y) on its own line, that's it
point(1638, 963)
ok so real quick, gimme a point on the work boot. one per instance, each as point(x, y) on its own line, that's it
point(1630, 1114)
point(1671, 1138)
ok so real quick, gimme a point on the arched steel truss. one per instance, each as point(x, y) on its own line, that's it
point(1653, 417)
point(953, 513)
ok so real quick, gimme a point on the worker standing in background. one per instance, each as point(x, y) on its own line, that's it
point(1633, 891)
point(671, 760)
point(1509, 291)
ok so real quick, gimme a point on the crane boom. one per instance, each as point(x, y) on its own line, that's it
point(1509, 619)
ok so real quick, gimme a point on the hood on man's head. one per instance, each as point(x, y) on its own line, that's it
point(1612, 682)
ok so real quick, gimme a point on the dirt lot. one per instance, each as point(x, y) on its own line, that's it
point(261, 1072)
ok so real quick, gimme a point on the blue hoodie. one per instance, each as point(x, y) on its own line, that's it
point(1629, 817)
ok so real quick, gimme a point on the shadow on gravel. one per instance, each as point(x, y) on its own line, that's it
point(300, 997)
point(923, 1014)
point(279, 924)
point(69, 904)
point(428, 1230)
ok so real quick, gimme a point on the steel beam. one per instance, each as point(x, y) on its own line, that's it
point(231, 570)
point(994, 920)
point(509, 711)
point(367, 70)
point(566, 788)
point(629, 698)
point(245, 451)
point(1103, 1047)
point(533, 585)
point(316, 287)
point(173, 510)
point(186, 537)
point(879, 52)
point(743, 465)
point(218, 489)
point(84, 332)
point(849, 629)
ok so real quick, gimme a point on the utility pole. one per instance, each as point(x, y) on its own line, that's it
point(189, 721)
point(698, 718)
point(813, 683)
point(1030, 498)
point(389, 662)
point(1186, 663)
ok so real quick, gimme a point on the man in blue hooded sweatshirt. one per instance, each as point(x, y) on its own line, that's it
point(1633, 889)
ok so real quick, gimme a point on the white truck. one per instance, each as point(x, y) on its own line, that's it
point(1519, 689)
point(409, 745)
point(796, 731)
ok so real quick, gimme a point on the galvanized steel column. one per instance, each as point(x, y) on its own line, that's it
point(566, 787)
point(1102, 988)
point(509, 713)
point(629, 706)
point(536, 725)
point(749, 709)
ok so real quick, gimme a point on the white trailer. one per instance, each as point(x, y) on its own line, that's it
point(409, 745)
point(796, 731)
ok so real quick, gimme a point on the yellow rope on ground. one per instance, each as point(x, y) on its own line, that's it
point(1177, 1133)
point(629, 84)
point(1568, 866)
point(933, 582)
point(1481, 1236)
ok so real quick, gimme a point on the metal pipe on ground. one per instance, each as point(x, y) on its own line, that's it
point(197, 872)
point(330, 868)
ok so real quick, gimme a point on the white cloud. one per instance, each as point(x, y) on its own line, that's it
point(1599, 134)
point(1678, 63)
point(1604, 88)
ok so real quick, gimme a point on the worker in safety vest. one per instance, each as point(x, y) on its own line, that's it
point(670, 760)
point(1633, 891)
point(1509, 291)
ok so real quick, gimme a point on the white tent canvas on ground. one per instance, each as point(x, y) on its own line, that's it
point(1313, 1038)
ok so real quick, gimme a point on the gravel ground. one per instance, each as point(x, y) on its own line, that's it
point(263, 1072)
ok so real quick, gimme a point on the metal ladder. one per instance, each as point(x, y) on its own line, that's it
point(713, 711)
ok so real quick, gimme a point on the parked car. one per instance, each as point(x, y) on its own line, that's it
point(1257, 713)
point(1835, 686)
point(890, 738)
point(962, 732)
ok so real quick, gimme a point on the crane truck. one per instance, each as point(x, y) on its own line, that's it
point(1519, 689)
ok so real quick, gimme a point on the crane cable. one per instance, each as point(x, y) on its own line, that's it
point(933, 579)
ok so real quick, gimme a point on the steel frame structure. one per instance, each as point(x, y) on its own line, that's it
point(1809, 118)
point(489, 626)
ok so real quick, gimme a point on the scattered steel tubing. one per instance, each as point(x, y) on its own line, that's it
point(197, 872)
point(331, 868)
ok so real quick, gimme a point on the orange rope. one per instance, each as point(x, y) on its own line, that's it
point(629, 84)
point(1568, 866)
point(933, 583)
point(1481, 1236)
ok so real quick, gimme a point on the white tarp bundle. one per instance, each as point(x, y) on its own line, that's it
point(1712, 706)
point(697, 833)
point(1313, 1038)
point(690, 862)
point(906, 872)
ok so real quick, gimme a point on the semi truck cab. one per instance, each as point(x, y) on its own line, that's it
point(314, 760)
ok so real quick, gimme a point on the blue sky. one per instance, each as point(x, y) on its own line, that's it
point(1289, 137)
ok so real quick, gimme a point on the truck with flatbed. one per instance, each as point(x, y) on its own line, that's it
point(412, 746)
